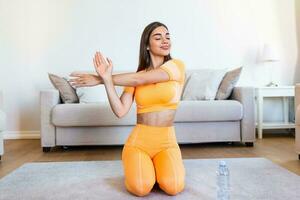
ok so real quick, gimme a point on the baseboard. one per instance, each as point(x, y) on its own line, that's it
point(12, 135)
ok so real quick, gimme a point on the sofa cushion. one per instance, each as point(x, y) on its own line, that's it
point(90, 114)
point(218, 110)
point(228, 83)
point(2, 120)
point(95, 94)
point(66, 91)
point(203, 85)
point(100, 114)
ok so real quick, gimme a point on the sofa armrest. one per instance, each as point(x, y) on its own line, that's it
point(246, 96)
point(48, 99)
point(297, 109)
point(2, 124)
point(2, 114)
point(1, 100)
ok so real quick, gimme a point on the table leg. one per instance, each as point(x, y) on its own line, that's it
point(286, 109)
point(260, 116)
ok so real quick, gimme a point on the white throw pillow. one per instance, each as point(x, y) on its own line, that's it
point(203, 84)
point(91, 94)
point(95, 94)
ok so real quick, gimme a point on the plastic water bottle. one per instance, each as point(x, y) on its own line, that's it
point(223, 191)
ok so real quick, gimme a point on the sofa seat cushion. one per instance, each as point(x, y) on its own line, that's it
point(91, 114)
point(2, 121)
point(100, 114)
point(205, 111)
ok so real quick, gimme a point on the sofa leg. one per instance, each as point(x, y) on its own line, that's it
point(249, 144)
point(299, 156)
point(65, 147)
point(0, 157)
point(46, 149)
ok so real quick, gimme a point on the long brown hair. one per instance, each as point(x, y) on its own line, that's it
point(144, 58)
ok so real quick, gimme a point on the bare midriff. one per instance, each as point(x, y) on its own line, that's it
point(161, 118)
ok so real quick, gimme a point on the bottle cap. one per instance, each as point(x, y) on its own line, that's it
point(222, 162)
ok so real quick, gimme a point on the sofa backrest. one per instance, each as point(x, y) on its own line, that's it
point(97, 93)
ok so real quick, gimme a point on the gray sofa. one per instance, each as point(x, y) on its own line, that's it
point(229, 120)
point(2, 124)
point(297, 119)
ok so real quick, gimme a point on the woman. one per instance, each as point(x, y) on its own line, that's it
point(151, 152)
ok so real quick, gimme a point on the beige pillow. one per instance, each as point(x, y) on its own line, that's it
point(203, 84)
point(66, 91)
point(228, 83)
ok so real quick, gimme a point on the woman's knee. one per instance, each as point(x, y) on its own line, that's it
point(170, 171)
point(138, 187)
point(171, 185)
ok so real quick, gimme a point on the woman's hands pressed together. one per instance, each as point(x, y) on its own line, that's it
point(103, 66)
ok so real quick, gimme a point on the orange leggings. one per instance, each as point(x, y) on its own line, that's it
point(151, 154)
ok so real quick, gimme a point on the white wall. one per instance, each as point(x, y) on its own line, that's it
point(59, 36)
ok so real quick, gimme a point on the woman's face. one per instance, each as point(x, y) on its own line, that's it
point(159, 42)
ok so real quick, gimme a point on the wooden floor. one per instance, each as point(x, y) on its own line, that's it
point(278, 148)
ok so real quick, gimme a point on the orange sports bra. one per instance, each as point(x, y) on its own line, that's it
point(163, 95)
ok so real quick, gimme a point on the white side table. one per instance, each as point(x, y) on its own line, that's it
point(280, 91)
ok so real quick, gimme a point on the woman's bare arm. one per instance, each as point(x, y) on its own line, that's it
point(141, 77)
point(120, 105)
point(124, 79)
